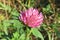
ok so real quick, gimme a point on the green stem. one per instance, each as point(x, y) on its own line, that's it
point(29, 33)
point(29, 4)
point(22, 4)
point(53, 36)
point(49, 35)
point(0, 25)
point(0, 22)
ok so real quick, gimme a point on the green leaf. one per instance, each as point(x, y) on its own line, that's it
point(37, 33)
point(3, 39)
point(14, 17)
point(16, 35)
point(6, 23)
point(13, 39)
point(5, 7)
point(44, 10)
point(14, 12)
point(16, 23)
point(57, 33)
point(22, 37)
point(9, 9)
point(48, 7)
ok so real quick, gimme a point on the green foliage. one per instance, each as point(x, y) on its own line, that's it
point(14, 12)
point(48, 9)
point(13, 29)
point(16, 23)
point(6, 23)
point(29, 3)
point(37, 33)
point(5, 7)
point(11, 22)
point(16, 35)
point(22, 37)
